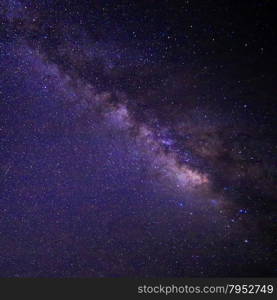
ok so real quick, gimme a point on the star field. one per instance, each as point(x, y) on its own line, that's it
point(137, 138)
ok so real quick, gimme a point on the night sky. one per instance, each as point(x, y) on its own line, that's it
point(137, 138)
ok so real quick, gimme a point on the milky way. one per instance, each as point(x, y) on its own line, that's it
point(137, 139)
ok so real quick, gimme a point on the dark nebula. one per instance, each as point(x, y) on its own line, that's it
point(137, 138)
